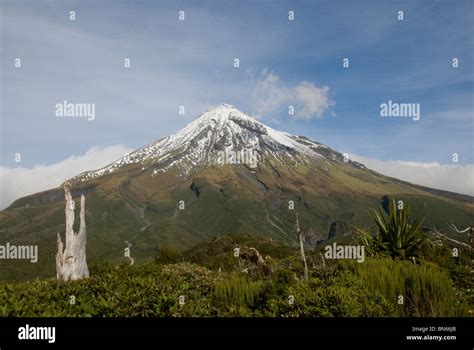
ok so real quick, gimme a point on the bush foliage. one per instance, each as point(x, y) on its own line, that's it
point(154, 289)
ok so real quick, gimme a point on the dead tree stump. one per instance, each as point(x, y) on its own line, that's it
point(71, 263)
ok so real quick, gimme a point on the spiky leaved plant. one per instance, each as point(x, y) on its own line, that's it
point(400, 238)
point(370, 242)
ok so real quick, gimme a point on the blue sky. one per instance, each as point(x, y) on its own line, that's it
point(190, 63)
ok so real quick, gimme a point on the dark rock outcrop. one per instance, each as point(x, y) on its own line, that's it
point(338, 229)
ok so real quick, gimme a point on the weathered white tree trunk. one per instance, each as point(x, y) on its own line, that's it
point(71, 263)
point(303, 256)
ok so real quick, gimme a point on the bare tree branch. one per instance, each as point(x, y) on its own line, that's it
point(303, 256)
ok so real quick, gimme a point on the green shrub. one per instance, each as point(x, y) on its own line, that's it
point(168, 255)
point(237, 294)
point(343, 296)
point(426, 289)
point(218, 253)
point(141, 290)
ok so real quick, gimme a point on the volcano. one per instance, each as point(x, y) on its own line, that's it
point(225, 172)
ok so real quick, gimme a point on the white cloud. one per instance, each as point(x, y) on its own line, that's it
point(455, 178)
point(270, 94)
point(312, 101)
point(19, 182)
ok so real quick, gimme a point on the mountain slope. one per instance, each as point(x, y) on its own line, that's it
point(223, 173)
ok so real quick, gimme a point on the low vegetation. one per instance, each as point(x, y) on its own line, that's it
point(209, 281)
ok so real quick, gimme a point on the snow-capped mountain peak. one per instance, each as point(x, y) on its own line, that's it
point(220, 131)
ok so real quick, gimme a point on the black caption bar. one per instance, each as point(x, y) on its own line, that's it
point(57, 332)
